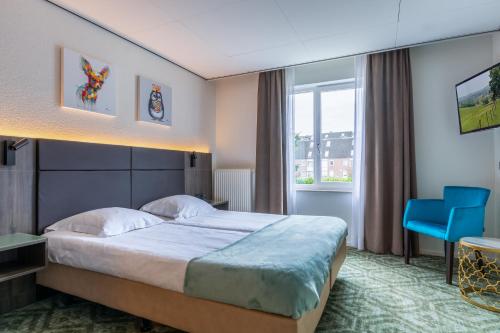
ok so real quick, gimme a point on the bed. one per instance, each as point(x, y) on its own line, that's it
point(166, 273)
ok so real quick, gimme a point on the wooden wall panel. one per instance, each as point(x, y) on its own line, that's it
point(18, 210)
point(17, 214)
point(198, 180)
point(17, 190)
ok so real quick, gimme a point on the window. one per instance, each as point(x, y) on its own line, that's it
point(324, 135)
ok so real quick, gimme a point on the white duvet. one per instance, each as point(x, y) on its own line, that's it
point(157, 255)
point(237, 221)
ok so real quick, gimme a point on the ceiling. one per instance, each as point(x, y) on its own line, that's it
point(215, 38)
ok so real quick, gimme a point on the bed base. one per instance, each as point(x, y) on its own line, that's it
point(176, 309)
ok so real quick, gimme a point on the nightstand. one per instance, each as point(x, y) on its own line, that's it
point(220, 204)
point(21, 254)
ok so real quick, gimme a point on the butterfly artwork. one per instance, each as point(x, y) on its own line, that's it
point(88, 91)
point(88, 84)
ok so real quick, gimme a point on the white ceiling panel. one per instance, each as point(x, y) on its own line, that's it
point(178, 42)
point(183, 9)
point(121, 16)
point(445, 19)
point(215, 38)
point(294, 53)
point(319, 18)
point(354, 42)
point(243, 27)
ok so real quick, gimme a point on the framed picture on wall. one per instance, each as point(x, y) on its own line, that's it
point(87, 84)
point(154, 102)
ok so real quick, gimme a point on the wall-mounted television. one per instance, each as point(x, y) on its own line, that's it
point(478, 101)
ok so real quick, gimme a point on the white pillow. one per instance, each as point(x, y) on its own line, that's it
point(106, 222)
point(178, 207)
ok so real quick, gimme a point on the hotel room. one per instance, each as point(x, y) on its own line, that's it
point(249, 166)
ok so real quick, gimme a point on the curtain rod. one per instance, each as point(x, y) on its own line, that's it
point(434, 41)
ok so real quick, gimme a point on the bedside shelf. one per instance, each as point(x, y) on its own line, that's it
point(12, 270)
point(21, 254)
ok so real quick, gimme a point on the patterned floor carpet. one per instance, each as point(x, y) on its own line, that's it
point(373, 293)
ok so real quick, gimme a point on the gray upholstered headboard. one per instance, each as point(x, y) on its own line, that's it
point(74, 177)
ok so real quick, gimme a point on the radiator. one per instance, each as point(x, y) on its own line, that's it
point(236, 186)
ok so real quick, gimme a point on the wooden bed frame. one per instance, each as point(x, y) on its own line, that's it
point(73, 177)
point(176, 309)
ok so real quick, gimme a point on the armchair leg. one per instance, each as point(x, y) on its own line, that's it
point(407, 245)
point(449, 253)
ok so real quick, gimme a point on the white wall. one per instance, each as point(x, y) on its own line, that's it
point(443, 156)
point(236, 121)
point(325, 203)
point(32, 34)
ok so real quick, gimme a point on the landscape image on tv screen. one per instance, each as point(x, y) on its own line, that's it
point(478, 101)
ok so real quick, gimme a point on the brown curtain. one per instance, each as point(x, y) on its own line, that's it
point(390, 152)
point(270, 174)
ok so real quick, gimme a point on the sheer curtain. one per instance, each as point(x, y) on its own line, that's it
point(290, 142)
point(356, 230)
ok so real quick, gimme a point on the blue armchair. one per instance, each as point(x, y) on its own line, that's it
point(459, 214)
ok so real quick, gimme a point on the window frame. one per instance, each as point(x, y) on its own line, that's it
point(317, 89)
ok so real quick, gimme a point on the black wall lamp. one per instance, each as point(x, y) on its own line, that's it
point(10, 148)
point(192, 159)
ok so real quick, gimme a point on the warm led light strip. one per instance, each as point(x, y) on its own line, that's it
point(109, 140)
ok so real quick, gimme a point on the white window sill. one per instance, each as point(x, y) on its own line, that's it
point(313, 188)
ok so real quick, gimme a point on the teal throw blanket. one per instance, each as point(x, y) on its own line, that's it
point(280, 269)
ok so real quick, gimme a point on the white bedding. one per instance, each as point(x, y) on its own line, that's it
point(228, 220)
point(157, 255)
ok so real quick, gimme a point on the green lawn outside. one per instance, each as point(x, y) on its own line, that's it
point(479, 116)
point(310, 180)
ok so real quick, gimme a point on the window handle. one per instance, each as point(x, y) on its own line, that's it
point(318, 147)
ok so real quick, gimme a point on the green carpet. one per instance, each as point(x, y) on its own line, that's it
point(373, 293)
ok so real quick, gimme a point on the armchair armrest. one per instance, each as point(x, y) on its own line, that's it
point(465, 221)
point(424, 209)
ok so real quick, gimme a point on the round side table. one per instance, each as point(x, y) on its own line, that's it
point(479, 271)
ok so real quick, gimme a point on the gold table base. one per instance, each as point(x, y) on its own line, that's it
point(479, 276)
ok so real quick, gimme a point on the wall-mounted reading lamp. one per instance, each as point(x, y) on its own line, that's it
point(10, 148)
point(192, 159)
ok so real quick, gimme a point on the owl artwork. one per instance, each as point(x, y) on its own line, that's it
point(155, 105)
point(155, 102)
